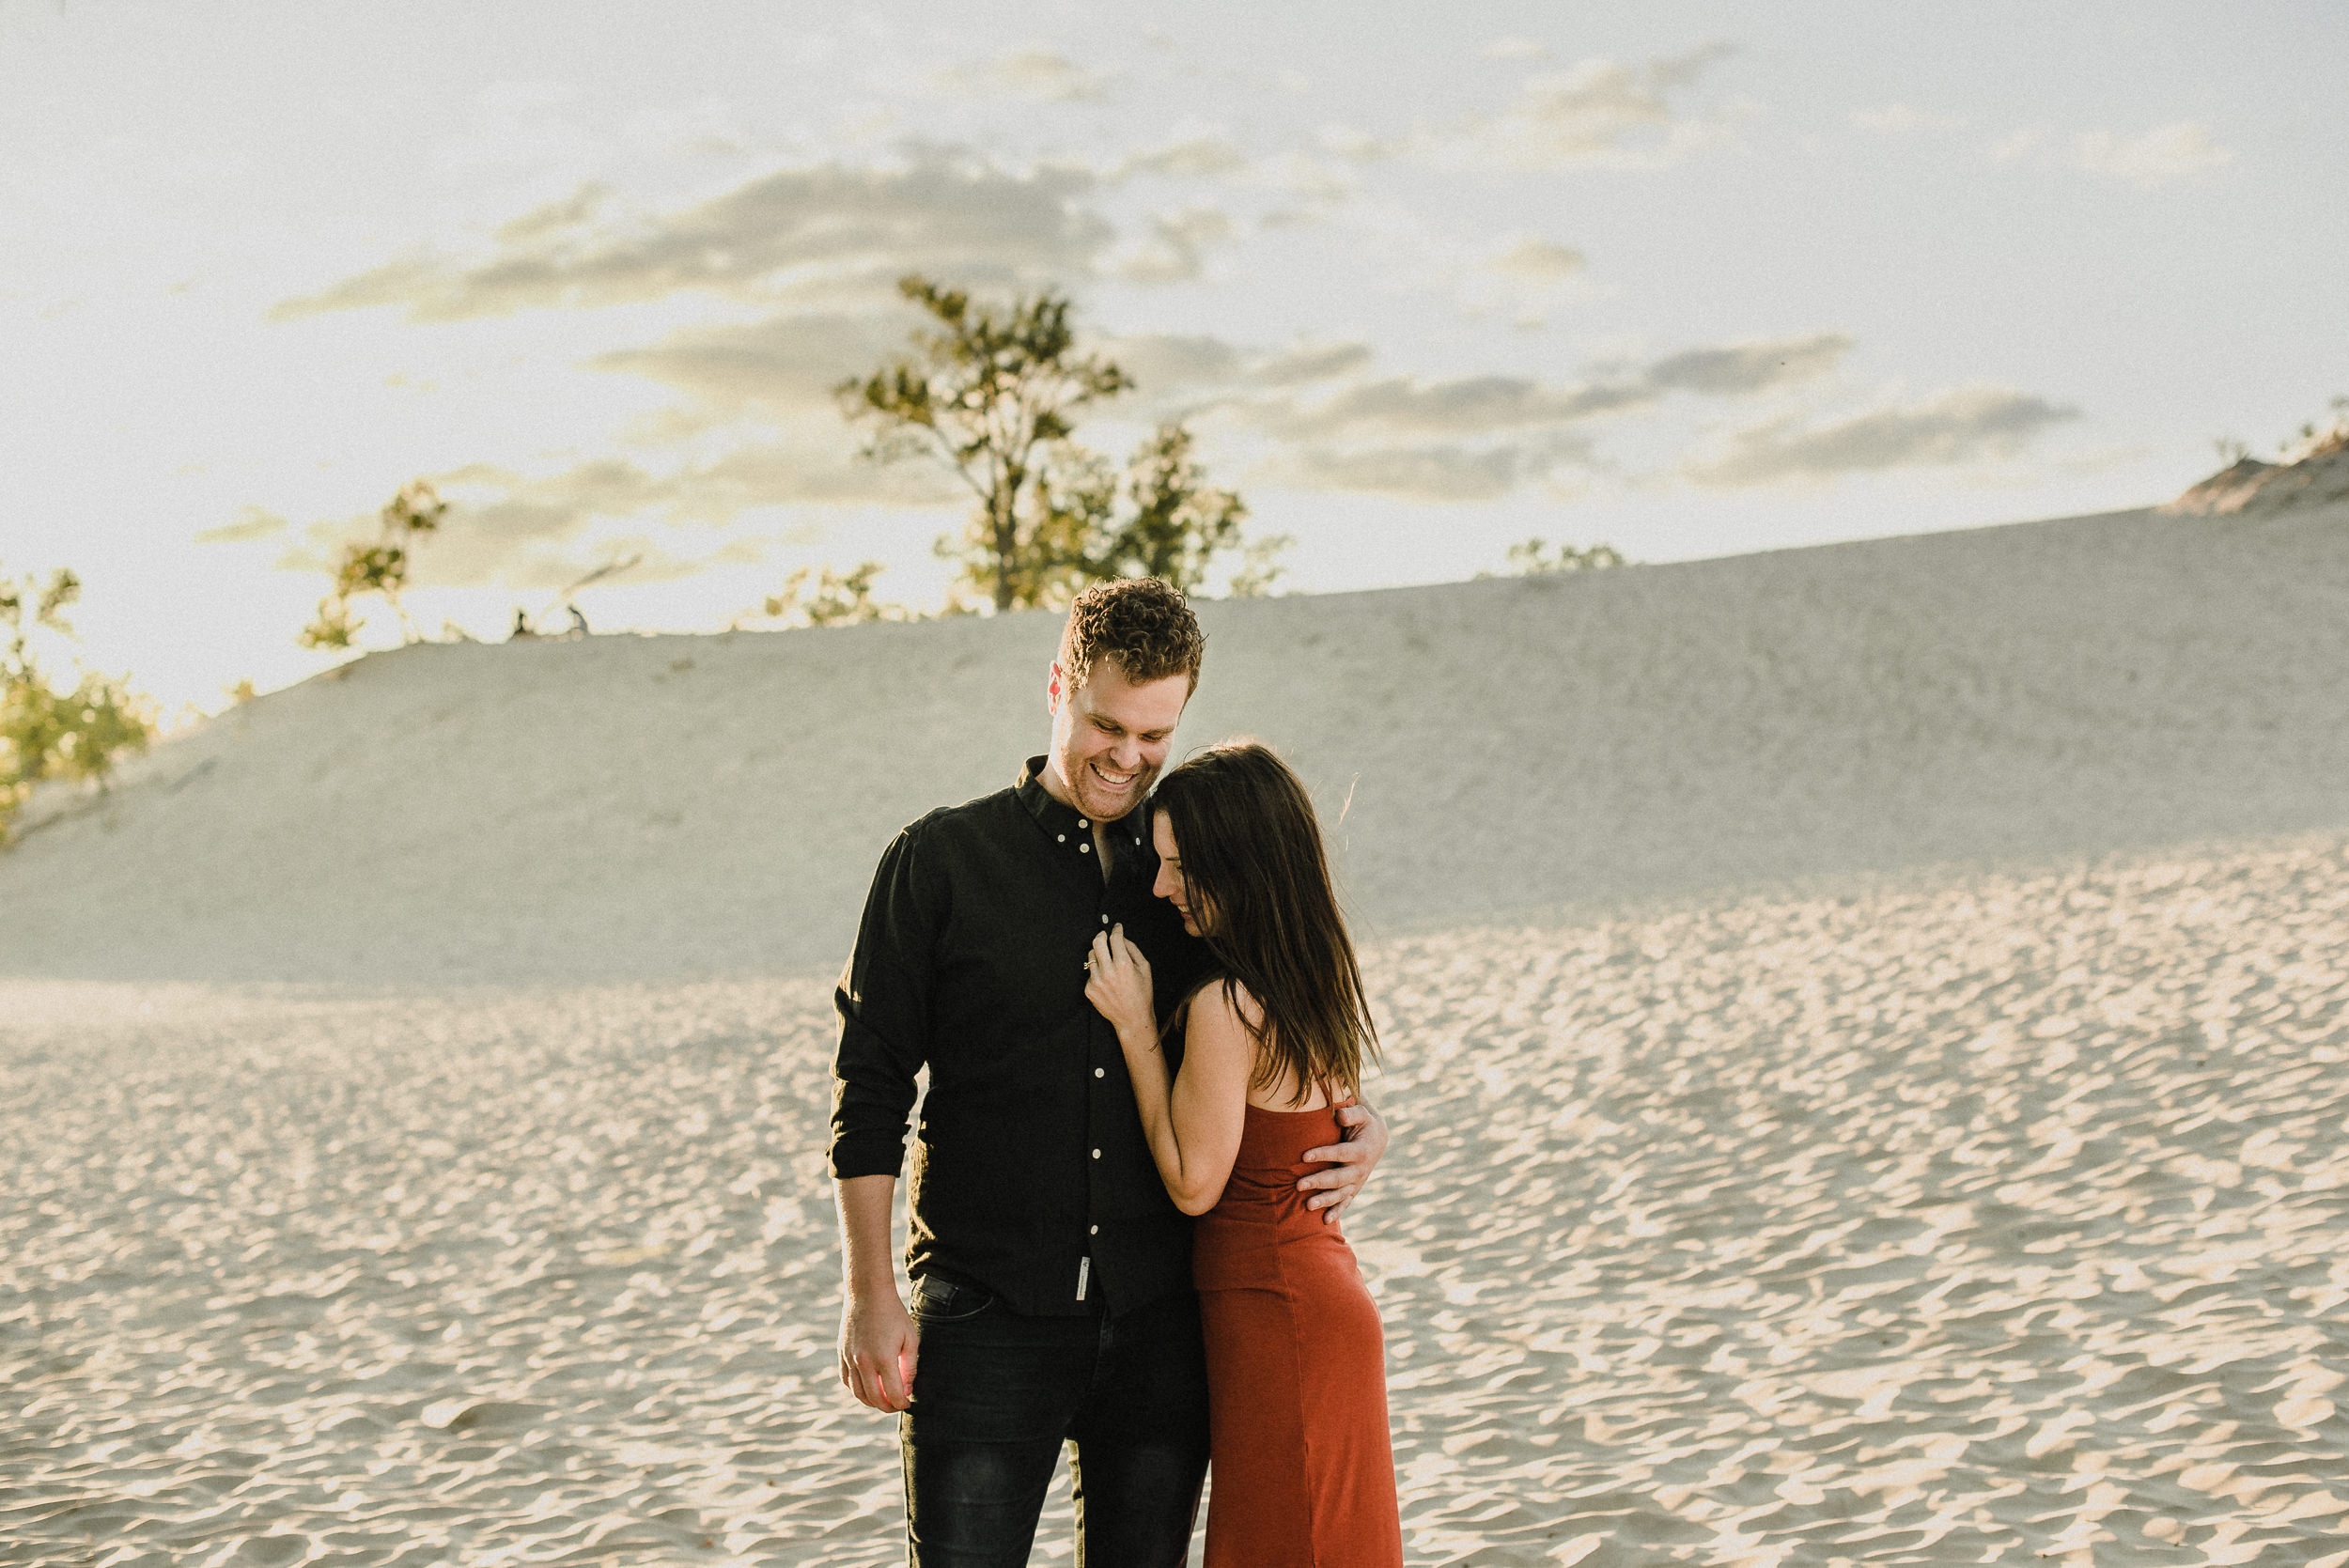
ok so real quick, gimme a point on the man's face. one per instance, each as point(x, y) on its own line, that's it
point(1109, 738)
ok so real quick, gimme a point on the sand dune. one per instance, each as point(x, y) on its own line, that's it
point(674, 807)
point(1866, 1033)
point(2000, 1222)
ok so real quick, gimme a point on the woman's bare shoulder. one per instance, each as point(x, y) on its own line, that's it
point(1226, 1003)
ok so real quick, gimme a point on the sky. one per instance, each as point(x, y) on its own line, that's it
point(1691, 279)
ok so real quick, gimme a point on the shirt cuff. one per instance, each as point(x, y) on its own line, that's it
point(871, 1154)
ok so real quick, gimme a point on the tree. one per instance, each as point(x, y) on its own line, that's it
point(1180, 523)
point(831, 597)
point(1531, 557)
point(46, 731)
point(2319, 441)
point(381, 568)
point(995, 396)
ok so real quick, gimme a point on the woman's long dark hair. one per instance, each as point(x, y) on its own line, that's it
point(1258, 885)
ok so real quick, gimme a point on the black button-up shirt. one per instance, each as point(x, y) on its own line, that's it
point(1031, 1174)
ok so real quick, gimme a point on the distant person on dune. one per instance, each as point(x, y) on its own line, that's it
point(1052, 1271)
point(1272, 1047)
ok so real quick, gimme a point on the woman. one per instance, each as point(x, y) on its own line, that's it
point(1303, 1470)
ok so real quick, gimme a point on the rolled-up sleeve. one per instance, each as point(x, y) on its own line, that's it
point(883, 1002)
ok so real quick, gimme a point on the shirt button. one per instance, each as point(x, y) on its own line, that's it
point(1084, 849)
point(1060, 837)
point(1083, 823)
point(1096, 1154)
point(1094, 1231)
point(1105, 920)
point(1099, 1071)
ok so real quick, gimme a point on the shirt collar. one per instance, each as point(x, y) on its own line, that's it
point(1063, 823)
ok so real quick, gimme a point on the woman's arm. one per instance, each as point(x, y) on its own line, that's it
point(1193, 1122)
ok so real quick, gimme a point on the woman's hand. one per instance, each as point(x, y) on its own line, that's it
point(1119, 984)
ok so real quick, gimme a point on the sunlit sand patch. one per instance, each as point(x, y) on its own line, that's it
point(1995, 1222)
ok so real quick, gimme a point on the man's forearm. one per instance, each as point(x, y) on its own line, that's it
point(867, 1204)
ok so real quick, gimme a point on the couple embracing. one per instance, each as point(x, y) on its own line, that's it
point(1136, 1007)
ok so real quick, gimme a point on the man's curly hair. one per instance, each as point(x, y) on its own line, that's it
point(1144, 622)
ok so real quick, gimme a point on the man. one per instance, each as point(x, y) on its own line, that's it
point(1052, 1273)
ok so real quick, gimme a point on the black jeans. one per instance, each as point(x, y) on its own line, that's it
point(995, 1395)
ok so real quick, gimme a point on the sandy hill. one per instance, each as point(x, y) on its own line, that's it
point(651, 807)
point(2319, 477)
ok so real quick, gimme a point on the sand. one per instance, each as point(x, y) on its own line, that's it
point(1997, 1222)
point(1865, 1027)
point(700, 807)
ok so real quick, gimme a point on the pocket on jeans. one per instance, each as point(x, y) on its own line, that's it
point(938, 1300)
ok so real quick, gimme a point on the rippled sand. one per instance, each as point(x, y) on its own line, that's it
point(1999, 1221)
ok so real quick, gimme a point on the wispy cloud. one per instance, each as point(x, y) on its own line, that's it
point(1161, 362)
point(1403, 404)
point(1177, 247)
point(1600, 111)
point(939, 210)
point(252, 523)
point(1537, 262)
point(2159, 156)
point(781, 366)
point(1039, 75)
point(1193, 158)
point(1965, 426)
point(1743, 367)
point(1444, 474)
point(1477, 437)
point(2165, 154)
point(545, 530)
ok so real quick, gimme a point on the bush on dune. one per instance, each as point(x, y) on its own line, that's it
point(47, 730)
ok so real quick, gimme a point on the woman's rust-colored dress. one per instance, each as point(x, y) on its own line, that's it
point(1303, 1472)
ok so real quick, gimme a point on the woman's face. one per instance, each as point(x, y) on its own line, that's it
point(1170, 885)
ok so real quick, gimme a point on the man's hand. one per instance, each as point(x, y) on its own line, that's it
point(877, 1337)
point(1352, 1160)
point(877, 1345)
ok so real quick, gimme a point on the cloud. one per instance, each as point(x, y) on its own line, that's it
point(1964, 426)
point(938, 212)
point(1165, 361)
point(782, 365)
point(1412, 473)
point(555, 217)
point(544, 530)
point(1600, 111)
point(2162, 154)
point(252, 523)
point(1309, 363)
point(1357, 146)
point(1403, 406)
point(1176, 251)
point(1161, 362)
point(1039, 75)
point(1468, 405)
point(1537, 262)
point(1744, 367)
point(1199, 158)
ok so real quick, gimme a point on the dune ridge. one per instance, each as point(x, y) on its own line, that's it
point(674, 807)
